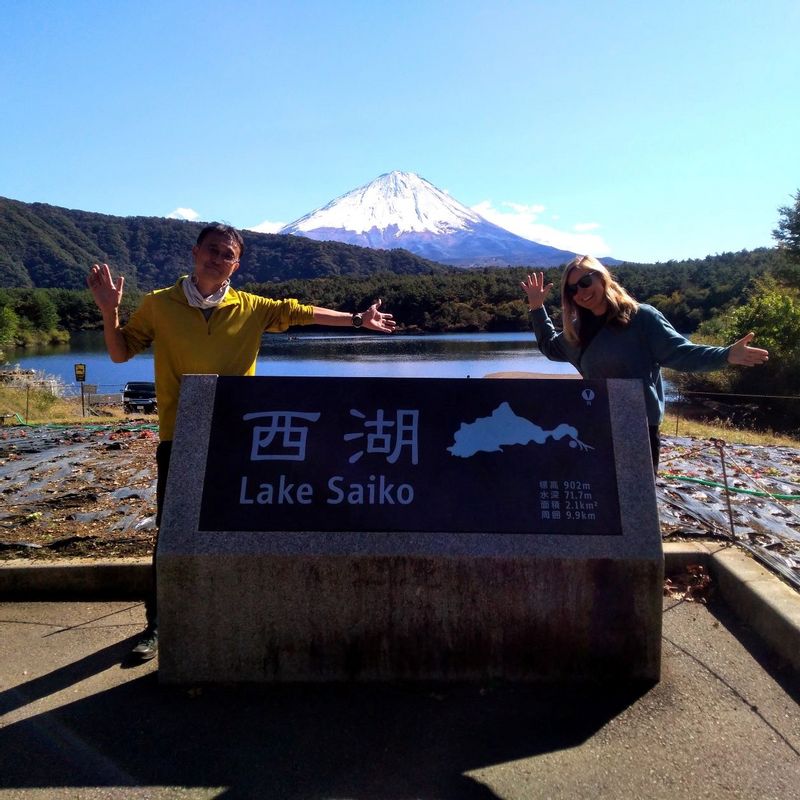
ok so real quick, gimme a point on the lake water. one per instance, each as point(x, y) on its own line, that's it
point(345, 355)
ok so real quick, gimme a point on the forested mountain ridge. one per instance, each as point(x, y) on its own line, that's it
point(46, 251)
point(490, 299)
point(44, 246)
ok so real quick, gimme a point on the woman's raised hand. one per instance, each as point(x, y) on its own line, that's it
point(536, 290)
point(743, 355)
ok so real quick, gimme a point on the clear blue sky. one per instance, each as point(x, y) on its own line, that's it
point(648, 131)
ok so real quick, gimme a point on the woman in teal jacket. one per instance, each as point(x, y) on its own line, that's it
point(607, 334)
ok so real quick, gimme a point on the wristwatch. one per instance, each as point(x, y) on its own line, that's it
point(358, 320)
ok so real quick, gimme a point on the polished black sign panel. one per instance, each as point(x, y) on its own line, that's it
point(418, 455)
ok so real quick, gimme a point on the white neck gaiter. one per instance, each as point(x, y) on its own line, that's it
point(196, 300)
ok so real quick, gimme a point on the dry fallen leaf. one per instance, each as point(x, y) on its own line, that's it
point(694, 585)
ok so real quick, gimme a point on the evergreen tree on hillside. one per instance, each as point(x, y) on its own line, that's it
point(787, 234)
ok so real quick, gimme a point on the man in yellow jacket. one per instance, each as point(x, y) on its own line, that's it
point(202, 325)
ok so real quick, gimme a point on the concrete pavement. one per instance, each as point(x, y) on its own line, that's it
point(724, 721)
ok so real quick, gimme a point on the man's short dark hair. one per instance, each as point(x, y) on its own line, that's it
point(227, 230)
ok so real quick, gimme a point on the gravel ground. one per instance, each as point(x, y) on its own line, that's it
point(89, 491)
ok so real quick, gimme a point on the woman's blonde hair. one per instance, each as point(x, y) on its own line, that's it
point(621, 306)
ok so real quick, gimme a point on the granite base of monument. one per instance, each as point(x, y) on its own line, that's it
point(534, 600)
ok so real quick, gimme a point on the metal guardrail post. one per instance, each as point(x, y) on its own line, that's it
point(720, 445)
point(678, 410)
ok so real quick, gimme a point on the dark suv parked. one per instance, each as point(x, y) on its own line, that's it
point(139, 396)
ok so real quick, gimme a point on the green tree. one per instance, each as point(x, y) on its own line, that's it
point(787, 234)
point(38, 309)
point(9, 322)
point(457, 317)
point(675, 309)
point(772, 312)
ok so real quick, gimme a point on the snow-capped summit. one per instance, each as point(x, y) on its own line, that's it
point(399, 200)
point(401, 209)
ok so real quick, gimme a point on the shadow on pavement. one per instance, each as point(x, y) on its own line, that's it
point(778, 669)
point(69, 675)
point(292, 742)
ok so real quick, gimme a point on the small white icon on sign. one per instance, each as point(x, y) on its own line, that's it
point(588, 396)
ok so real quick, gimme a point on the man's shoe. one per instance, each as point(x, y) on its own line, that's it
point(147, 647)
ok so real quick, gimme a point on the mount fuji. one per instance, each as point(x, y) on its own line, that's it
point(400, 209)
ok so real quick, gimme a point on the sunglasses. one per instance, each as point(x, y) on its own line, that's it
point(583, 283)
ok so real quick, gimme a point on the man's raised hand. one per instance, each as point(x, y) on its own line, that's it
point(106, 293)
point(377, 321)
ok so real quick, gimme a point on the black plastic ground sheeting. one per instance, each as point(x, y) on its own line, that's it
point(760, 508)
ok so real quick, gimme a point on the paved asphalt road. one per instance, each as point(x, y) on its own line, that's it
point(724, 722)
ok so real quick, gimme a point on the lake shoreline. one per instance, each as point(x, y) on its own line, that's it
point(317, 354)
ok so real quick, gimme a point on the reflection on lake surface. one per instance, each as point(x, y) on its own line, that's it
point(345, 355)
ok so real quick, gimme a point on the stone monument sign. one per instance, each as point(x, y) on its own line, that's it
point(378, 528)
